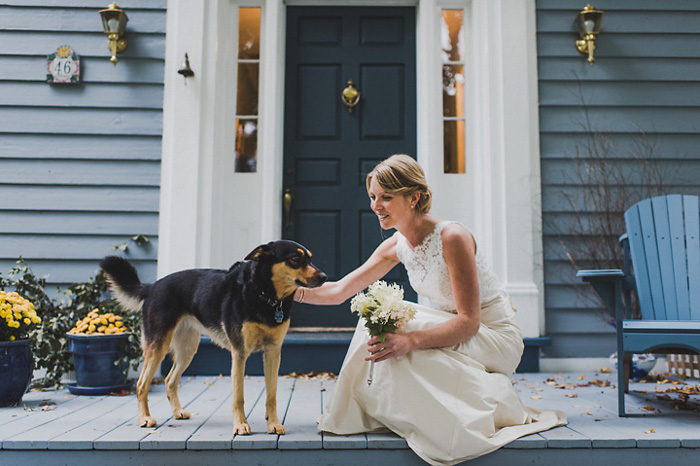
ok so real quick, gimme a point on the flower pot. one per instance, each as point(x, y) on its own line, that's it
point(95, 358)
point(16, 368)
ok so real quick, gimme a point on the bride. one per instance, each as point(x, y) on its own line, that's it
point(442, 383)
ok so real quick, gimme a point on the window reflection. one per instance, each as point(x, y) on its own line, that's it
point(452, 42)
point(454, 146)
point(249, 33)
point(247, 95)
point(246, 145)
point(453, 90)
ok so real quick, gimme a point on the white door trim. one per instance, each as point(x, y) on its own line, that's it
point(211, 216)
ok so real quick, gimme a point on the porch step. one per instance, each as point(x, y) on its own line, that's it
point(302, 352)
point(307, 351)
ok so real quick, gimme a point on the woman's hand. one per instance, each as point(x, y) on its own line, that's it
point(395, 345)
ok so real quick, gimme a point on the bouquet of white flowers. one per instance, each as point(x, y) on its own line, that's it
point(384, 311)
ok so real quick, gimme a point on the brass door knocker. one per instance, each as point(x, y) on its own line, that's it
point(350, 96)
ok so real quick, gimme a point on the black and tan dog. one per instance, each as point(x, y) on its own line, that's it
point(245, 310)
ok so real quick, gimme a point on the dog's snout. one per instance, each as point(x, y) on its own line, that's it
point(317, 278)
point(322, 277)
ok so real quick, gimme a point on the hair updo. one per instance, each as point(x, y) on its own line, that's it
point(401, 175)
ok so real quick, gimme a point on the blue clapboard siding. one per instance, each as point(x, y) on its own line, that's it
point(646, 79)
point(80, 163)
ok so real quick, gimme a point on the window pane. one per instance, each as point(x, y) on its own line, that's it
point(249, 33)
point(454, 146)
point(247, 96)
point(453, 90)
point(246, 144)
point(452, 43)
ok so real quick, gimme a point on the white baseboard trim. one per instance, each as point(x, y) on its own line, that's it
point(574, 364)
point(589, 365)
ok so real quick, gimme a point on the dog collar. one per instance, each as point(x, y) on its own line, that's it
point(277, 304)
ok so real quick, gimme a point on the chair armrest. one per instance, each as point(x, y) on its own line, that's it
point(600, 274)
point(607, 283)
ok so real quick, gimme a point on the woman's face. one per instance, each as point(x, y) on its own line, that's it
point(391, 209)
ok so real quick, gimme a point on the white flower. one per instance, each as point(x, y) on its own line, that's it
point(383, 308)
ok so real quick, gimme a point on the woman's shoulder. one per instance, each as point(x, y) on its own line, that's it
point(456, 236)
point(387, 248)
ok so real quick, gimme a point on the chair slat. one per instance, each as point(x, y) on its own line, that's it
point(676, 219)
point(692, 234)
point(636, 244)
point(662, 228)
point(651, 254)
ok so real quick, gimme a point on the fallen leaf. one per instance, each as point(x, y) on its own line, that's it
point(572, 395)
point(650, 431)
point(536, 397)
point(589, 413)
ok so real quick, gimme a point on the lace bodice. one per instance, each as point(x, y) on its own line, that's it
point(428, 274)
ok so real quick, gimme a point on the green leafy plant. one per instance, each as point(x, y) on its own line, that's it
point(58, 315)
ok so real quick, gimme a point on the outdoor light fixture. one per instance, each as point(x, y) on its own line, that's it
point(588, 24)
point(114, 23)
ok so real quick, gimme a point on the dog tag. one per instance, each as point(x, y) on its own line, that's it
point(279, 316)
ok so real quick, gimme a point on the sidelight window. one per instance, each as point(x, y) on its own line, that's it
point(248, 89)
point(453, 99)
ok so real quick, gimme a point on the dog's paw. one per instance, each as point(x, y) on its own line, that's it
point(275, 428)
point(241, 429)
point(147, 421)
point(181, 414)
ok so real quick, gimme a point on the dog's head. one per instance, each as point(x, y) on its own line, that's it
point(290, 265)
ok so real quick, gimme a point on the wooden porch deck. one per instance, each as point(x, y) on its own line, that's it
point(55, 427)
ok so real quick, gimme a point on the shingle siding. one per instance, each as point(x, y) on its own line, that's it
point(643, 96)
point(80, 164)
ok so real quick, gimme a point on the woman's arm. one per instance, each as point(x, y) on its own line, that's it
point(459, 250)
point(382, 260)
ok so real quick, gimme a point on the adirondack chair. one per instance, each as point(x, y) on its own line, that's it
point(662, 247)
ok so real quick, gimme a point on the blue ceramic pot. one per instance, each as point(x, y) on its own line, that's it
point(16, 368)
point(95, 358)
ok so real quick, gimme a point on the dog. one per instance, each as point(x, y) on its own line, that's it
point(245, 309)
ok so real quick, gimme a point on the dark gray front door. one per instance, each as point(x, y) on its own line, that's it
point(328, 150)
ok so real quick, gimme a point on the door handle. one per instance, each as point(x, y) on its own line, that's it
point(287, 205)
point(350, 96)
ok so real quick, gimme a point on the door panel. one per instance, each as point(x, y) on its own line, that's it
point(329, 150)
point(382, 111)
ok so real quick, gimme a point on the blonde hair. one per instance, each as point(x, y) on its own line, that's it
point(401, 175)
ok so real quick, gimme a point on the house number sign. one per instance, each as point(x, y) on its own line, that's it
point(63, 66)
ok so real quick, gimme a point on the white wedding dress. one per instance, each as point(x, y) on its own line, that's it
point(450, 404)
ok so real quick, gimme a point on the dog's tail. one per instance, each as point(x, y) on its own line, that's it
point(124, 282)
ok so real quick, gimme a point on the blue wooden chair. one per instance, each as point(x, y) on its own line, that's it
point(662, 247)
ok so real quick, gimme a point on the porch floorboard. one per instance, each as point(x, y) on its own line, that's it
point(55, 427)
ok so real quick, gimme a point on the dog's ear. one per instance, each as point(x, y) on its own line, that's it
point(258, 253)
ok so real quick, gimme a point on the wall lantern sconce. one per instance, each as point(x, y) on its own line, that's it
point(588, 24)
point(114, 23)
